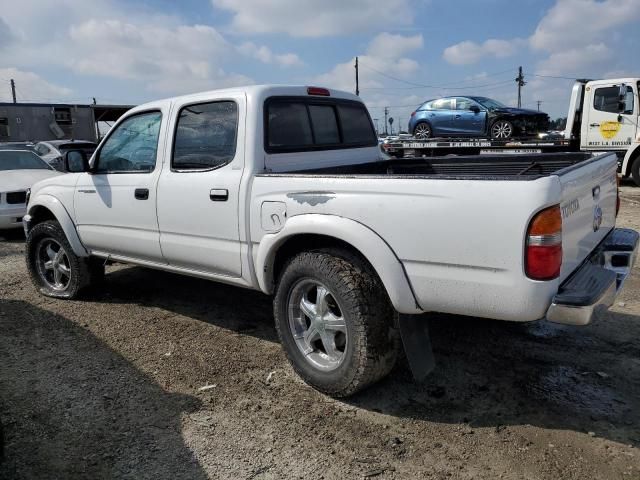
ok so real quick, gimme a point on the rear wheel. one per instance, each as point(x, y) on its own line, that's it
point(335, 322)
point(501, 130)
point(54, 268)
point(422, 130)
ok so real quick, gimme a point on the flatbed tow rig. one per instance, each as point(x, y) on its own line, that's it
point(603, 116)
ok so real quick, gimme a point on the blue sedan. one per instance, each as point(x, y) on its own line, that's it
point(475, 117)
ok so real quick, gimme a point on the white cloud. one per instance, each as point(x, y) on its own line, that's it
point(387, 45)
point(171, 59)
point(573, 23)
point(575, 61)
point(467, 52)
point(384, 53)
point(311, 18)
point(265, 55)
point(30, 87)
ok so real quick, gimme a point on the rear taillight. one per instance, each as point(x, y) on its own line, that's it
point(413, 114)
point(617, 194)
point(543, 248)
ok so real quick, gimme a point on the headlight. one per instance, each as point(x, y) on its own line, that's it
point(26, 202)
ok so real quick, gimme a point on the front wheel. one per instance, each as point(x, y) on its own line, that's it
point(635, 171)
point(502, 130)
point(335, 323)
point(55, 269)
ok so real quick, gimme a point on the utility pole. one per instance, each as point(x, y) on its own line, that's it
point(357, 82)
point(13, 90)
point(521, 83)
point(386, 114)
point(539, 102)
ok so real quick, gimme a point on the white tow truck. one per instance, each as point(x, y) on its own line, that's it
point(284, 190)
point(603, 116)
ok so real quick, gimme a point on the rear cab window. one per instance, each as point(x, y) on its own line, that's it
point(297, 124)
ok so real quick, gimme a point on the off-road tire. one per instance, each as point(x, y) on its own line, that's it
point(374, 342)
point(84, 271)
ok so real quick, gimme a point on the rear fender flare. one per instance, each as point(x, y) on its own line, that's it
point(366, 241)
point(56, 207)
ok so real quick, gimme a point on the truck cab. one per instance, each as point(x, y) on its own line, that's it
point(603, 115)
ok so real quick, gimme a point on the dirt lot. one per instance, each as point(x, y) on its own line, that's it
point(109, 388)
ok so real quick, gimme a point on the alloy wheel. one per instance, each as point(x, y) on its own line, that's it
point(317, 324)
point(422, 130)
point(502, 129)
point(53, 264)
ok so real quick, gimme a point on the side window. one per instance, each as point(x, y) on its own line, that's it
point(4, 127)
point(205, 136)
point(463, 104)
point(132, 147)
point(442, 104)
point(606, 100)
point(289, 125)
point(356, 125)
point(427, 106)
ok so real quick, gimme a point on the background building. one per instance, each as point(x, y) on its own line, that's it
point(21, 122)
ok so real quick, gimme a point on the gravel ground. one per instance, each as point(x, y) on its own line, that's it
point(112, 387)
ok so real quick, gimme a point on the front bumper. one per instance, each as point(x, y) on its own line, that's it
point(595, 284)
point(12, 217)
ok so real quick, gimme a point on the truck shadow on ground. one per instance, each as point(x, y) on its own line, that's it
point(488, 374)
point(495, 374)
point(72, 407)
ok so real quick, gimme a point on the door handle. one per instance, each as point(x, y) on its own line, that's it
point(594, 124)
point(218, 194)
point(142, 194)
point(458, 116)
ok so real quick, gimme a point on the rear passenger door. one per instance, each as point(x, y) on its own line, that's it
point(441, 116)
point(198, 191)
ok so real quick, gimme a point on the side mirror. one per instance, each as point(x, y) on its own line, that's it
point(474, 108)
point(76, 161)
point(622, 98)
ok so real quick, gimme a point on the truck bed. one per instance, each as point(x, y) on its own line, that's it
point(487, 167)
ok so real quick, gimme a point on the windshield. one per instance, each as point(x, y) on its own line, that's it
point(21, 160)
point(489, 103)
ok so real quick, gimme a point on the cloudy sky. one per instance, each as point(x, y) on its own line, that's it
point(410, 50)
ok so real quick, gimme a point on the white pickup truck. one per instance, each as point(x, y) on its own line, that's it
point(284, 190)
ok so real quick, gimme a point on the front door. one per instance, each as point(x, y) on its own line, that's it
point(608, 127)
point(468, 122)
point(115, 204)
point(198, 196)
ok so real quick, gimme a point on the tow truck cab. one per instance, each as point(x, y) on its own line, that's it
point(604, 115)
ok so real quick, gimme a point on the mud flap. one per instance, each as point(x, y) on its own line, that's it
point(414, 331)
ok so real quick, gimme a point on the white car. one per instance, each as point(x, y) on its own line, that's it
point(284, 190)
point(19, 169)
point(52, 151)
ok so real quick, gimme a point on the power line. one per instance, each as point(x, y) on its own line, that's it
point(553, 76)
point(415, 85)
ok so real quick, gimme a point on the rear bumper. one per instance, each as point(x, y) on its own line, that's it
point(596, 283)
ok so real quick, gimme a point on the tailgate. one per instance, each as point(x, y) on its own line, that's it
point(588, 205)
